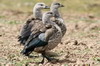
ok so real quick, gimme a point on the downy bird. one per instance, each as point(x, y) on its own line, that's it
point(43, 39)
point(26, 29)
point(58, 19)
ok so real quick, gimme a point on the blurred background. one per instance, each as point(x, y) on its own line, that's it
point(80, 45)
point(77, 6)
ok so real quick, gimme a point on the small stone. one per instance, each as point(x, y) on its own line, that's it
point(75, 42)
point(0, 35)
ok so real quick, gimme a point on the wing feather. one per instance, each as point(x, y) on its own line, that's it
point(30, 26)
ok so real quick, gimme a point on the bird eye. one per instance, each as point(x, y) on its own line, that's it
point(41, 4)
point(57, 4)
point(50, 13)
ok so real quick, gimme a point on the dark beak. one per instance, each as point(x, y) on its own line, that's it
point(61, 5)
point(47, 7)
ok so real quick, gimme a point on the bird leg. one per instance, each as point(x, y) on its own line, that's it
point(48, 58)
point(42, 59)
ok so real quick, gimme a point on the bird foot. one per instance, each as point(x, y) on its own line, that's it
point(30, 56)
point(39, 62)
point(53, 60)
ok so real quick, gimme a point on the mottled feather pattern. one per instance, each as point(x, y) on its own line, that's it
point(55, 39)
point(27, 29)
point(37, 26)
point(62, 26)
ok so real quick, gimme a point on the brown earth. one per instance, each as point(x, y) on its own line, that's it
point(80, 45)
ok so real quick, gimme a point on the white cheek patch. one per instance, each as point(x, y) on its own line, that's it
point(44, 6)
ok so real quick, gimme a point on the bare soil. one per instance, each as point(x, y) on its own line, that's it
point(80, 46)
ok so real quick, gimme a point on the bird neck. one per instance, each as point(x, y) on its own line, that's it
point(46, 20)
point(37, 13)
point(57, 15)
point(49, 32)
point(55, 11)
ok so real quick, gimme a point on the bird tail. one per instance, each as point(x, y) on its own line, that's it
point(26, 51)
point(22, 40)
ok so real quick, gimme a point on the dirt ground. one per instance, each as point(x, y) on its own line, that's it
point(80, 46)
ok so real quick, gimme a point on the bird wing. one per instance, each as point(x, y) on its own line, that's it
point(62, 26)
point(36, 30)
point(26, 30)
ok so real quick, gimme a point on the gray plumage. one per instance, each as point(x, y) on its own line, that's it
point(54, 39)
point(40, 41)
point(38, 29)
point(31, 22)
point(37, 10)
point(58, 19)
point(43, 40)
point(54, 8)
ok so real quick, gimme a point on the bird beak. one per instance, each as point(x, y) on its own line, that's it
point(46, 7)
point(61, 5)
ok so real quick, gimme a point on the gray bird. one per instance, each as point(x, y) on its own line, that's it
point(58, 19)
point(26, 29)
point(37, 10)
point(46, 39)
point(54, 8)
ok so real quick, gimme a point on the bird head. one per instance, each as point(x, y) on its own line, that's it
point(48, 14)
point(41, 6)
point(46, 17)
point(56, 5)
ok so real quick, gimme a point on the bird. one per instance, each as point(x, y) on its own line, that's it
point(58, 19)
point(54, 8)
point(41, 42)
point(26, 29)
point(37, 10)
point(39, 27)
